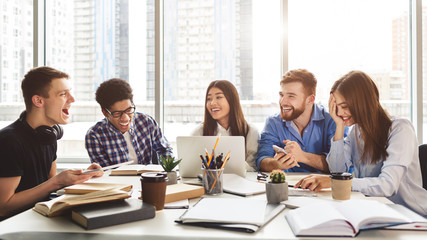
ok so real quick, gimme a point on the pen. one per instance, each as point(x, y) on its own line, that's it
point(203, 161)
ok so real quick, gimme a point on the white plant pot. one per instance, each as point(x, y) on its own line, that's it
point(276, 192)
point(172, 178)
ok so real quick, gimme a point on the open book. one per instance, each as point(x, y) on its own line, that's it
point(238, 214)
point(88, 187)
point(59, 205)
point(135, 169)
point(345, 218)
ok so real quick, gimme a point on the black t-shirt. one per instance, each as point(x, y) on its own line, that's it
point(23, 154)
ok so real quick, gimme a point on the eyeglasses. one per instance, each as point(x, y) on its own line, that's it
point(119, 114)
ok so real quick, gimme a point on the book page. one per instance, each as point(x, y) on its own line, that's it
point(319, 219)
point(136, 168)
point(88, 187)
point(363, 212)
point(227, 210)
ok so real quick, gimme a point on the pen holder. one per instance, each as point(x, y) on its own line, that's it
point(212, 181)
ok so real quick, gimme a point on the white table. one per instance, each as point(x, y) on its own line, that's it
point(163, 225)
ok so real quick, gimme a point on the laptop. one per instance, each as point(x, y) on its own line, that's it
point(189, 149)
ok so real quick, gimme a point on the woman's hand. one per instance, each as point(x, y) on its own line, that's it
point(339, 132)
point(314, 182)
point(333, 110)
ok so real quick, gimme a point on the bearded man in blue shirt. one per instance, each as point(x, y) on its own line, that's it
point(303, 128)
point(123, 135)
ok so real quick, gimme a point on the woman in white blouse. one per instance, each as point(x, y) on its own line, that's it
point(224, 115)
point(383, 151)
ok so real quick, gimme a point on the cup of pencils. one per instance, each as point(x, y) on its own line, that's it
point(212, 181)
point(212, 169)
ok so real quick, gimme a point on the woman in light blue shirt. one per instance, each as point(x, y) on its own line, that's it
point(383, 151)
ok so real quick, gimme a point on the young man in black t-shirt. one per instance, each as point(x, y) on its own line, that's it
point(28, 146)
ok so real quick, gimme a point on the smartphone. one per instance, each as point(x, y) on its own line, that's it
point(91, 171)
point(279, 149)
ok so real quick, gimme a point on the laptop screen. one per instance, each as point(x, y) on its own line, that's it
point(189, 149)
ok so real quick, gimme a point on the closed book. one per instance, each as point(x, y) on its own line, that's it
point(88, 187)
point(181, 191)
point(106, 214)
point(128, 170)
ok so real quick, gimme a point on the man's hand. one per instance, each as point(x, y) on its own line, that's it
point(294, 149)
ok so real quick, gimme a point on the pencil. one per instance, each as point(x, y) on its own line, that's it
point(225, 159)
point(213, 151)
point(217, 141)
point(209, 157)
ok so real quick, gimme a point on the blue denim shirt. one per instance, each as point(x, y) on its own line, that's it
point(316, 137)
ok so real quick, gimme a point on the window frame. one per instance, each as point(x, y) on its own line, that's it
point(39, 57)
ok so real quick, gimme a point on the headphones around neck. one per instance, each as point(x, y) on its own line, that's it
point(46, 134)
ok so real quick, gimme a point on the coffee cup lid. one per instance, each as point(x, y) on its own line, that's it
point(154, 177)
point(341, 175)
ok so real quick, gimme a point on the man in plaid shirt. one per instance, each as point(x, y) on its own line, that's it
point(123, 135)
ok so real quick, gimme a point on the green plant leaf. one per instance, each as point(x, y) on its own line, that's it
point(168, 163)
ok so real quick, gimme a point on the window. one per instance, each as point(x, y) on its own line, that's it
point(354, 35)
point(205, 41)
point(219, 40)
point(16, 37)
point(94, 41)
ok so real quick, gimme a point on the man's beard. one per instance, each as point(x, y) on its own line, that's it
point(296, 112)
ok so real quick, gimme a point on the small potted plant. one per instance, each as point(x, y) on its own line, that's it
point(168, 164)
point(277, 187)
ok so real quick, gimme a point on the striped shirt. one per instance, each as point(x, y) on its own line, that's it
point(106, 145)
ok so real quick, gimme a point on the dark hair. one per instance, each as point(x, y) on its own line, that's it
point(37, 82)
point(112, 91)
point(237, 122)
point(303, 76)
point(362, 97)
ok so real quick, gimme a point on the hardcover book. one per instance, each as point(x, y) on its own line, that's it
point(181, 191)
point(94, 216)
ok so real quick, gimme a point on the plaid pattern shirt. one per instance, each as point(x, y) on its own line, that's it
point(106, 145)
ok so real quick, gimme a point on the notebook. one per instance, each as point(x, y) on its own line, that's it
point(235, 214)
point(190, 148)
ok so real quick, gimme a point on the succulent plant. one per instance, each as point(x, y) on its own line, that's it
point(168, 163)
point(277, 176)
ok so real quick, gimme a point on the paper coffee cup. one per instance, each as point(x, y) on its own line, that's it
point(153, 186)
point(341, 185)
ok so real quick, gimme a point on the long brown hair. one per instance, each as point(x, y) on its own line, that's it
point(374, 123)
point(236, 120)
